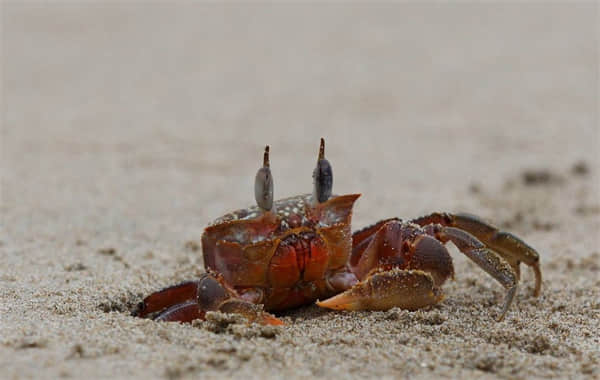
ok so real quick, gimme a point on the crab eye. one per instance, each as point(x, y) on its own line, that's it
point(263, 184)
point(322, 177)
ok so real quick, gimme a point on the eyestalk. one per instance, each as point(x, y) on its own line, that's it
point(322, 177)
point(263, 184)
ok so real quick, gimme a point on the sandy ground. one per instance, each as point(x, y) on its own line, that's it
point(127, 128)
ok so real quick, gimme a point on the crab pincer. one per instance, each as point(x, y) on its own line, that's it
point(401, 266)
point(192, 299)
point(407, 289)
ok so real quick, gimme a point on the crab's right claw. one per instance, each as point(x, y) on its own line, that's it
point(407, 289)
point(191, 300)
point(252, 312)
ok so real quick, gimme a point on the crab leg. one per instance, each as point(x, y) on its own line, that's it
point(484, 257)
point(182, 312)
point(191, 300)
point(408, 289)
point(178, 303)
point(507, 245)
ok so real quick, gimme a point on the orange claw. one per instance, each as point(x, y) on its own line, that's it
point(271, 320)
point(407, 289)
point(252, 312)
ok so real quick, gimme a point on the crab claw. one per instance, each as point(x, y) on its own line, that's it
point(407, 289)
point(192, 299)
point(252, 312)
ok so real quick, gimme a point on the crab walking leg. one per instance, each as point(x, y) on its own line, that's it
point(487, 259)
point(191, 300)
point(167, 298)
point(507, 245)
point(182, 312)
point(407, 289)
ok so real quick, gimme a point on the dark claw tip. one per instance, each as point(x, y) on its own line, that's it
point(139, 309)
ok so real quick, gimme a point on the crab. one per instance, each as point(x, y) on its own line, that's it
point(283, 254)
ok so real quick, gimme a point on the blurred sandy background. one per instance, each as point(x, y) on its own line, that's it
point(127, 127)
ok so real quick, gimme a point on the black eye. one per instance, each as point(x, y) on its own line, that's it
point(263, 184)
point(322, 177)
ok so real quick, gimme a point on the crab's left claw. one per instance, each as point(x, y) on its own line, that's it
point(407, 289)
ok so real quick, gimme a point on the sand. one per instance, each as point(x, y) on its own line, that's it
point(127, 128)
